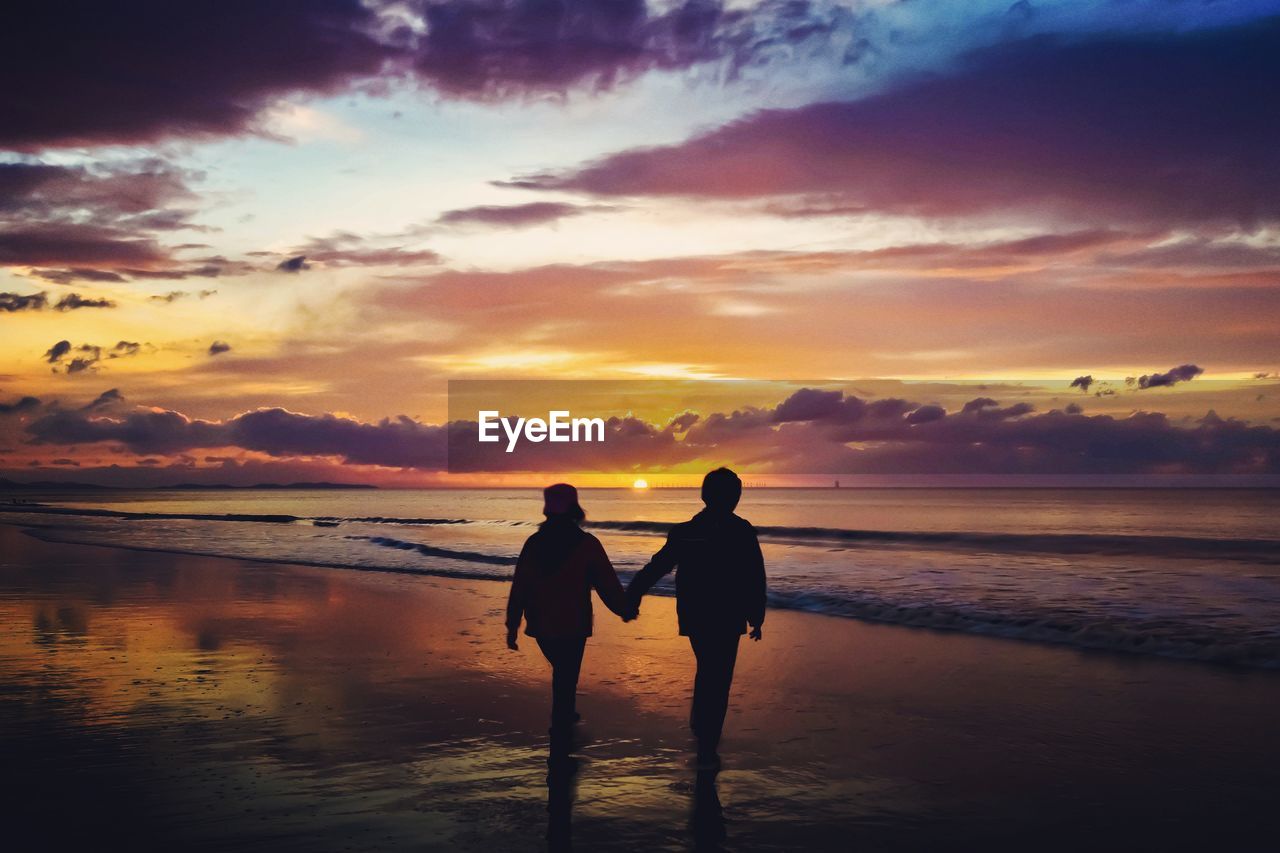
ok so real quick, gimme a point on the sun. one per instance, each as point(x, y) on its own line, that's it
point(640, 484)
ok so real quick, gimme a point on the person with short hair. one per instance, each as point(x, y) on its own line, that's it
point(720, 590)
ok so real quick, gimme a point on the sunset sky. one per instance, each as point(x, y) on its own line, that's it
point(245, 241)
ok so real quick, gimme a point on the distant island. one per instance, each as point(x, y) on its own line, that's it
point(53, 486)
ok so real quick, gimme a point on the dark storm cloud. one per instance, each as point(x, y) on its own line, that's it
point(1172, 376)
point(1166, 128)
point(1082, 382)
point(517, 215)
point(78, 72)
point(219, 347)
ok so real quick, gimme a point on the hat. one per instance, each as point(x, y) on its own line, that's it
point(561, 499)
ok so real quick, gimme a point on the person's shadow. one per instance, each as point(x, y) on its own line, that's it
point(562, 785)
point(706, 823)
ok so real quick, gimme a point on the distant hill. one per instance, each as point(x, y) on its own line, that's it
point(199, 486)
point(51, 486)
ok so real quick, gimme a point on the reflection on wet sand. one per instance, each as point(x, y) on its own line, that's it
point(171, 702)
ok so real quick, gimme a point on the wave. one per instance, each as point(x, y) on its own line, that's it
point(1161, 637)
point(1266, 551)
point(432, 551)
point(1121, 631)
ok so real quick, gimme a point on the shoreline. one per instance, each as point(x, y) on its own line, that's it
point(384, 710)
point(947, 624)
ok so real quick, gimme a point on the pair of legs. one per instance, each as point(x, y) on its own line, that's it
point(716, 653)
point(565, 657)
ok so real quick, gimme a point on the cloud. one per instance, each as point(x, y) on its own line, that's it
point(174, 295)
point(219, 347)
point(86, 222)
point(22, 404)
point(105, 400)
point(88, 360)
point(810, 432)
point(86, 357)
point(395, 442)
point(73, 301)
point(1172, 376)
point(142, 69)
point(518, 215)
point(344, 249)
point(497, 49)
point(14, 302)
point(55, 353)
point(1094, 129)
point(1082, 382)
point(295, 264)
point(70, 276)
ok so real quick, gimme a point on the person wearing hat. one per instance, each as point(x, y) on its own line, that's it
point(551, 592)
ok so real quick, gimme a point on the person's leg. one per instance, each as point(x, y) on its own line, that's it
point(716, 655)
point(565, 657)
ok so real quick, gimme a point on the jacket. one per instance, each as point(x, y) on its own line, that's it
point(551, 589)
point(720, 579)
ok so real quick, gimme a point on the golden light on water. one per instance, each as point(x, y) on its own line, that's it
point(640, 484)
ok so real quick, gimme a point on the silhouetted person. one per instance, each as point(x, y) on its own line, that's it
point(551, 590)
point(720, 589)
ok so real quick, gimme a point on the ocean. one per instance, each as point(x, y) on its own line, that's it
point(1182, 573)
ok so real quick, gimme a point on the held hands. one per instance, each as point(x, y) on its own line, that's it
point(631, 614)
point(756, 634)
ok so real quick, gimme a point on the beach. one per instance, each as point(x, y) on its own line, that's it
point(165, 701)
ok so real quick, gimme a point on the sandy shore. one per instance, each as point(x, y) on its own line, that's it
point(171, 702)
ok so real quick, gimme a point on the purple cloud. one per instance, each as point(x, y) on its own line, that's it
point(132, 71)
point(1108, 129)
point(1182, 373)
point(889, 436)
point(517, 215)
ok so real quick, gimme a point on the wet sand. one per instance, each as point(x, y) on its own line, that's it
point(156, 701)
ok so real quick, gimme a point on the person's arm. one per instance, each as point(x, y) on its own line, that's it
point(658, 566)
point(757, 589)
point(605, 580)
point(518, 597)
